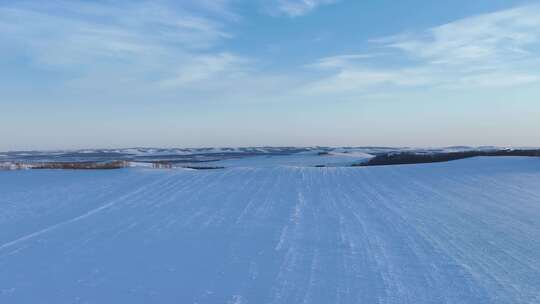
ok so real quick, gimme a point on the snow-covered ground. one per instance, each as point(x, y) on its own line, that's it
point(232, 157)
point(302, 159)
point(465, 231)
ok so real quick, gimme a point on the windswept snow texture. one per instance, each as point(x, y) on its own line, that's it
point(459, 232)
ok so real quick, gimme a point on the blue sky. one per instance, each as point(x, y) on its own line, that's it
point(80, 74)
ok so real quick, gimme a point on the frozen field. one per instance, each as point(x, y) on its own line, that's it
point(459, 232)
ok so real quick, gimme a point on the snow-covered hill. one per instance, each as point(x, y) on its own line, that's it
point(233, 157)
point(459, 232)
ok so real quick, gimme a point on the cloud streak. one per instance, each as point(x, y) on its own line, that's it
point(494, 50)
point(296, 8)
point(94, 37)
point(485, 39)
point(177, 53)
point(137, 51)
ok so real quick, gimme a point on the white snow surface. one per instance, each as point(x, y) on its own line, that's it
point(302, 159)
point(465, 231)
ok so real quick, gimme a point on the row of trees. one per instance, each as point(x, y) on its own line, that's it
point(403, 158)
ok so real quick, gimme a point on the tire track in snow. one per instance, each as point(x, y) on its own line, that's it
point(77, 218)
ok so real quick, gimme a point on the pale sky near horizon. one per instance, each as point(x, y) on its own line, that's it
point(100, 74)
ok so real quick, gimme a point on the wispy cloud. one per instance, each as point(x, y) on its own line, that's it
point(295, 8)
point(117, 46)
point(485, 39)
point(178, 53)
point(65, 32)
point(341, 60)
point(207, 68)
point(491, 50)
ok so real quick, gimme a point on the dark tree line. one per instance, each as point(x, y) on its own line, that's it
point(403, 158)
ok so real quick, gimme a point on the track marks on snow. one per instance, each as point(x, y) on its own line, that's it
point(462, 232)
